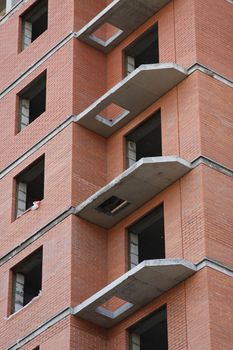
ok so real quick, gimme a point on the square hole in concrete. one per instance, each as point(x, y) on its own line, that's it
point(105, 34)
point(114, 307)
point(112, 112)
point(112, 206)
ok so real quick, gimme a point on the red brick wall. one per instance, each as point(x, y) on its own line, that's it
point(57, 337)
point(193, 229)
point(89, 76)
point(58, 106)
point(56, 285)
point(221, 310)
point(197, 311)
point(85, 335)
point(12, 62)
point(80, 258)
point(214, 35)
point(89, 259)
point(117, 236)
point(88, 163)
point(176, 23)
point(57, 192)
point(218, 215)
point(180, 126)
point(216, 119)
point(85, 10)
point(187, 311)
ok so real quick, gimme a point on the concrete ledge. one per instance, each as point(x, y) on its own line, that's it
point(134, 94)
point(137, 287)
point(123, 14)
point(136, 185)
point(205, 263)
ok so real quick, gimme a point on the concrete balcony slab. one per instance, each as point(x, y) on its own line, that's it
point(134, 94)
point(125, 15)
point(137, 287)
point(134, 187)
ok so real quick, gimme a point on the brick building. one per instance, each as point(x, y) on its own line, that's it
point(116, 190)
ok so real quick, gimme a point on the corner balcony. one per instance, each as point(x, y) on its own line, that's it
point(133, 94)
point(131, 189)
point(125, 16)
point(137, 287)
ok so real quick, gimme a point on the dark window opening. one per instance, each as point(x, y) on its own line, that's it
point(2, 7)
point(150, 333)
point(146, 238)
point(32, 101)
point(27, 280)
point(30, 186)
point(112, 205)
point(145, 140)
point(145, 50)
point(34, 22)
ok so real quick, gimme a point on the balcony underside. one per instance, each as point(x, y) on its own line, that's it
point(134, 94)
point(137, 287)
point(136, 186)
point(125, 15)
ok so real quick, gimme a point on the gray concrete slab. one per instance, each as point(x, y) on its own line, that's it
point(137, 287)
point(134, 94)
point(126, 15)
point(136, 185)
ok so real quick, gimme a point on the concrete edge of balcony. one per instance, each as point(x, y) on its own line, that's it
point(135, 186)
point(133, 94)
point(137, 287)
point(126, 16)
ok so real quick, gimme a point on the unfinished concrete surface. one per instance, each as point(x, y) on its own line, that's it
point(137, 287)
point(134, 187)
point(134, 94)
point(125, 15)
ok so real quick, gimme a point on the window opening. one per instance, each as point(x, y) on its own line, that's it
point(150, 333)
point(146, 238)
point(32, 101)
point(144, 50)
point(27, 280)
point(29, 186)
point(2, 7)
point(145, 140)
point(34, 22)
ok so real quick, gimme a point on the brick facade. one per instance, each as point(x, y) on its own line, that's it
point(80, 257)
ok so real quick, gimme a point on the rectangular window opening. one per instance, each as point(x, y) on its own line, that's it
point(145, 140)
point(27, 280)
point(34, 22)
point(146, 238)
point(150, 333)
point(2, 7)
point(32, 101)
point(144, 50)
point(29, 186)
point(112, 206)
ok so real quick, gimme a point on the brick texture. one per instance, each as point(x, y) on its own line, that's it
point(80, 258)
